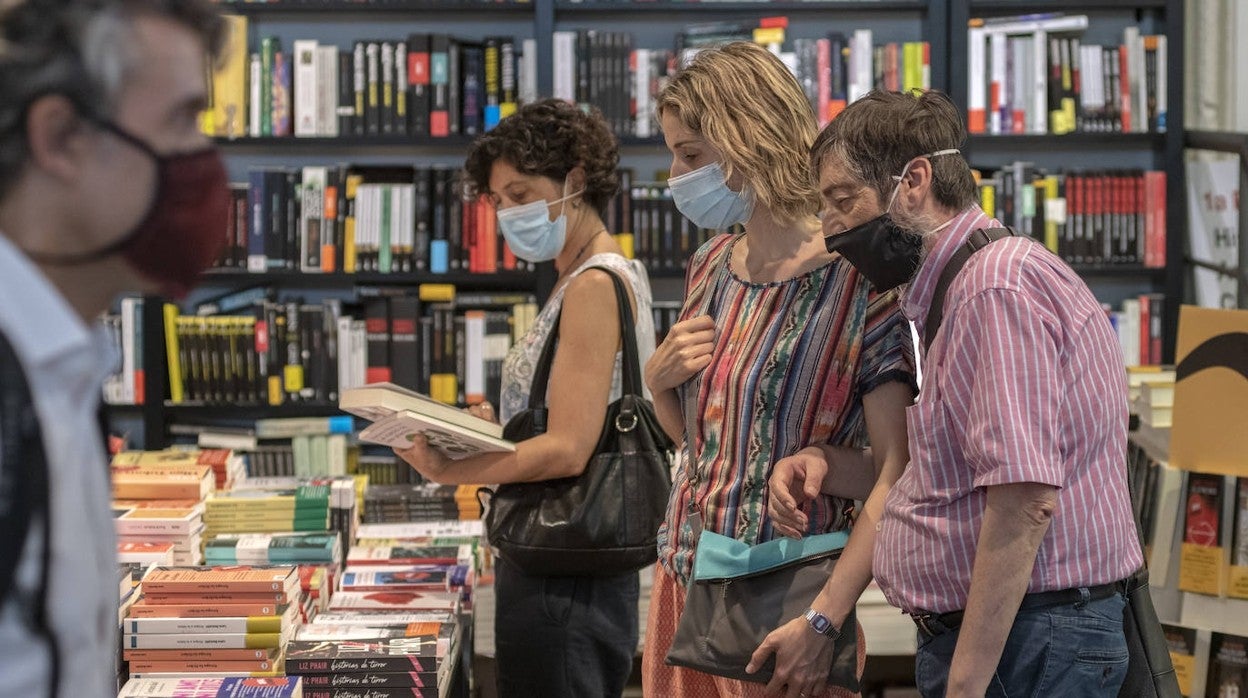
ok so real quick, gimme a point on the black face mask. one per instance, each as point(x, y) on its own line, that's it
point(884, 252)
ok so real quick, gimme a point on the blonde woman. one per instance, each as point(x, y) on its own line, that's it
point(783, 352)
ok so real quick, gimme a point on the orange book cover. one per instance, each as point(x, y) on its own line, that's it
point(144, 482)
point(192, 666)
point(222, 579)
point(143, 609)
point(263, 597)
point(211, 457)
point(189, 655)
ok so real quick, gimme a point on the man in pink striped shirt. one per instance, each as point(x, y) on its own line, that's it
point(1009, 533)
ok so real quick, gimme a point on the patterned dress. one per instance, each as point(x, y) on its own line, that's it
point(791, 362)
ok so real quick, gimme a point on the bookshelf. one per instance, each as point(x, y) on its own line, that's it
point(942, 23)
point(1092, 151)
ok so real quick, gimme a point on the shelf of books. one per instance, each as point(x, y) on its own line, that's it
point(1075, 119)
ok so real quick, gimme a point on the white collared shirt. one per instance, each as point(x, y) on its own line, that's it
point(65, 361)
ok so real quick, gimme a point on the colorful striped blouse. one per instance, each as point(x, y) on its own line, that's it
point(791, 362)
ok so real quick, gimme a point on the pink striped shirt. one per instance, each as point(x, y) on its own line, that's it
point(1024, 383)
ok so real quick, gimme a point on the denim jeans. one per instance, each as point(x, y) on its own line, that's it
point(1072, 651)
point(564, 636)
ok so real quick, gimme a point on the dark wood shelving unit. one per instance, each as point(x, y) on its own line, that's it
point(1085, 140)
point(412, 7)
point(320, 143)
point(524, 281)
point(1029, 6)
point(224, 411)
point(711, 7)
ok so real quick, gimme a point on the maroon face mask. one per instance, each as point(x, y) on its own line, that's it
point(183, 232)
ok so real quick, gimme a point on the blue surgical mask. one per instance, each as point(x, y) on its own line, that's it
point(704, 198)
point(529, 231)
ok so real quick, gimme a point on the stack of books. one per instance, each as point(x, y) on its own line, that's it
point(420, 502)
point(274, 549)
point(302, 509)
point(227, 466)
point(440, 556)
point(208, 622)
point(158, 505)
point(399, 654)
point(128, 576)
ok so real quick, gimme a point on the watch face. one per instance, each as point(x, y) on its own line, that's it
point(818, 621)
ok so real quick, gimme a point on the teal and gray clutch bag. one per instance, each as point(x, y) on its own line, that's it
point(739, 593)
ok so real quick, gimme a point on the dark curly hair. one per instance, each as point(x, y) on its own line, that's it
point(549, 138)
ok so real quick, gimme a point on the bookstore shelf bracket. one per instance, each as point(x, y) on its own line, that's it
point(1235, 144)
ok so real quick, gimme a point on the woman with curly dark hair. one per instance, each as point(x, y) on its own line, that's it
point(551, 169)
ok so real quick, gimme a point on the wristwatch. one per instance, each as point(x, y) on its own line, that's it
point(820, 624)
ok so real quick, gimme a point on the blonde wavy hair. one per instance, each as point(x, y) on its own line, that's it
point(746, 103)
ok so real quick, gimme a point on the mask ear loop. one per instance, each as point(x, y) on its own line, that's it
point(906, 170)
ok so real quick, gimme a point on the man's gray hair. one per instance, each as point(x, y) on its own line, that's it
point(80, 49)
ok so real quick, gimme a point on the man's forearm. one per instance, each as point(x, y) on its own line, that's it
point(851, 472)
point(1015, 521)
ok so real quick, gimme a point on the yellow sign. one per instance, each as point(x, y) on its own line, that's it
point(1200, 569)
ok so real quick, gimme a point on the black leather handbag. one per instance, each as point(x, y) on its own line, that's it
point(606, 520)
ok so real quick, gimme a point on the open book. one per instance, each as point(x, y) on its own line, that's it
point(398, 415)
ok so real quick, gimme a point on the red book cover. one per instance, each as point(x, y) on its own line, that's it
point(1202, 522)
point(1146, 354)
point(823, 60)
point(1155, 184)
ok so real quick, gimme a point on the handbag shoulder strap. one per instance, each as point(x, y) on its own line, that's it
point(978, 240)
point(628, 338)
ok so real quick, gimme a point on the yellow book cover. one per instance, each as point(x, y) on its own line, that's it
point(229, 83)
point(348, 232)
point(176, 394)
point(1201, 561)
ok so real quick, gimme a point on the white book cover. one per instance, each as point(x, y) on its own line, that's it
point(564, 65)
point(474, 355)
point(129, 310)
point(641, 92)
point(179, 641)
point(1136, 84)
point(311, 218)
point(327, 91)
point(1007, 25)
point(305, 79)
point(1129, 332)
point(234, 625)
point(453, 441)
point(998, 83)
point(376, 401)
point(527, 68)
point(473, 528)
point(255, 78)
point(977, 79)
point(448, 601)
point(862, 65)
point(1021, 83)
